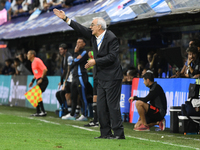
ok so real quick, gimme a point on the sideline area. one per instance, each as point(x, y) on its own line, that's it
point(52, 132)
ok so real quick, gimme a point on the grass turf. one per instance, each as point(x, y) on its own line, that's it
point(19, 131)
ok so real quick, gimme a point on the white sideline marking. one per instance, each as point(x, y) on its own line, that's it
point(48, 121)
point(166, 143)
point(82, 128)
point(13, 123)
point(179, 137)
point(44, 120)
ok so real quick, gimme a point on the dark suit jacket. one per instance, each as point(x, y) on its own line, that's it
point(107, 57)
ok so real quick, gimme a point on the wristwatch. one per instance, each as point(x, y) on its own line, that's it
point(189, 66)
point(65, 19)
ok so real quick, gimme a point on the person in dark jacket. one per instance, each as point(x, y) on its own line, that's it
point(153, 113)
point(109, 73)
point(8, 69)
point(79, 81)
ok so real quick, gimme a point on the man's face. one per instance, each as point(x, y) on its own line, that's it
point(62, 51)
point(149, 58)
point(80, 43)
point(192, 56)
point(29, 55)
point(94, 27)
point(146, 82)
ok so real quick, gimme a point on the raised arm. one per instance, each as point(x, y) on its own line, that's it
point(85, 32)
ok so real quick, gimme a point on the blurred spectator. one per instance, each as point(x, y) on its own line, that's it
point(124, 76)
point(8, 69)
point(51, 63)
point(33, 5)
point(193, 63)
point(67, 3)
point(47, 4)
point(5, 4)
point(17, 7)
point(160, 65)
point(25, 61)
point(141, 66)
point(143, 72)
point(57, 2)
point(20, 69)
point(131, 74)
point(151, 64)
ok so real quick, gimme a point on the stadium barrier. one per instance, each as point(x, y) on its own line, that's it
point(13, 88)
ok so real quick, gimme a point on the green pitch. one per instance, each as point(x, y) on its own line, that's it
point(19, 131)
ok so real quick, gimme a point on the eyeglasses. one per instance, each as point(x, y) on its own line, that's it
point(92, 25)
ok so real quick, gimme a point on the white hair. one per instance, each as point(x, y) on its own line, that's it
point(102, 22)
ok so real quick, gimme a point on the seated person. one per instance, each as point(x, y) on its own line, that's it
point(131, 74)
point(193, 63)
point(8, 69)
point(19, 7)
point(20, 69)
point(153, 113)
point(5, 4)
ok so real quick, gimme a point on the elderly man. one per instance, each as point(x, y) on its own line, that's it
point(109, 73)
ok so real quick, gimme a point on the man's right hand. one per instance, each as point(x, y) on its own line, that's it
point(30, 84)
point(59, 13)
point(131, 99)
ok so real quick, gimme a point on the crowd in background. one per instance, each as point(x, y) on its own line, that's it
point(26, 7)
point(155, 62)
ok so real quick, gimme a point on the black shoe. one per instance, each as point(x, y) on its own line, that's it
point(104, 137)
point(35, 115)
point(116, 137)
point(92, 124)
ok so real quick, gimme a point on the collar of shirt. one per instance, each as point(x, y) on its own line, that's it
point(99, 39)
point(100, 36)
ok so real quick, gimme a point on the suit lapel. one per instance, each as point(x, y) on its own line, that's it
point(103, 42)
point(95, 47)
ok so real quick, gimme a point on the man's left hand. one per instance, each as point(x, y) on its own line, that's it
point(90, 63)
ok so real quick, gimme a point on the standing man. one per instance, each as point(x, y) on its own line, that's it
point(39, 72)
point(79, 81)
point(109, 73)
point(64, 65)
point(153, 113)
point(64, 94)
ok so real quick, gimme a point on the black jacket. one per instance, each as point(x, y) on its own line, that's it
point(107, 57)
point(156, 97)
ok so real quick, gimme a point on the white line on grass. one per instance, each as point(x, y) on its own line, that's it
point(166, 143)
point(42, 120)
point(82, 128)
point(13, 123)
point(179, 137)
point(155, 141)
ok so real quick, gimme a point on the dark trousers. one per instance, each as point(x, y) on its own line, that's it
point(43, 87)
point(78, 87)
point(60, 95)
point(108, 107)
